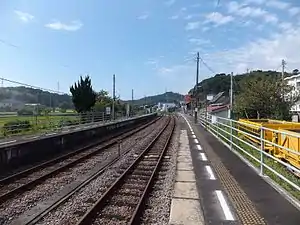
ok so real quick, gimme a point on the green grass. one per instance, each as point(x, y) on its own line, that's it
point(267, 160)
point(39, 124)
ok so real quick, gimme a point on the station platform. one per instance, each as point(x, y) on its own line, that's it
point(214, 186)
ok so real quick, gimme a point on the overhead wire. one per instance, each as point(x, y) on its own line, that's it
point(9, 44)
point(31, 86)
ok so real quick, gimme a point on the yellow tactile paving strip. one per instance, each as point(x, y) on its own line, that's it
point(245, 209)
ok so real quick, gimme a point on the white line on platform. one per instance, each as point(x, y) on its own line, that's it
point(203, 156)
point(7, 142)
point(192, 133)
point(210, 173)
point(193, 136)
point(50, 134)
point(199, 147)
point(224, 205)
point(196, 141)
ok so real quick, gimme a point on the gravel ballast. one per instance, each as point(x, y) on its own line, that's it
point(12, 208)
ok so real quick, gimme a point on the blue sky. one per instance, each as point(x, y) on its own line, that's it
point(149, 44)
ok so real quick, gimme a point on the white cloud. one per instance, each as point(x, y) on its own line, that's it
point(175, 17)
point(143, 16)
point(218, 19)
point(264, 54)
point(25, 17)
point(192, 26)
point(170, 2)
point(199, 41)
point(188, 17)
point(165, 70)
point(254, 12)
point(285, 26)
point(277, 4)
point(294, 10)
point(256, 1)
point(57, 25)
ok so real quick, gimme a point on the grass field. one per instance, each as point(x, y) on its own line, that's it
point(37, 123)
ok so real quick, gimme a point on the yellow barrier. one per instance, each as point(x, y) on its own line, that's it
point(291, 142)
point(253, 126)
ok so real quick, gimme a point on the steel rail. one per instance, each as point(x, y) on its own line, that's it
point(91, 214)
point(40, 179)
point(35, 219)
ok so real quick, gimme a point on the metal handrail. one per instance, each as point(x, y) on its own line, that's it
point(216, 129)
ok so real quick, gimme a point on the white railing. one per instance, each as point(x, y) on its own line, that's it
point(253, 152)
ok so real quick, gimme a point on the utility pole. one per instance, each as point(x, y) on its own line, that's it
point(132, 101)
point(114, 96)
point(231, 107)
point(283, 63)
point(231, 95)
point(197, 78)
point(167, 95)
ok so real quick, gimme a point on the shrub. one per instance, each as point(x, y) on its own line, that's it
point(16, 126)
point(25, 112)
point(67, 122)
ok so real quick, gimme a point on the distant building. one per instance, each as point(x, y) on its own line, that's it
point(5, 105)
point(165, 106)
point(219, 105)
point(294, 81)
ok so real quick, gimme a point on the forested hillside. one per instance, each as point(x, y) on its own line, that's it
point(19, 96)
point(221, 82)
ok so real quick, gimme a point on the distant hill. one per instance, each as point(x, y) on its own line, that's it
point(18, 96)
point(168, 97)
point(221, 82)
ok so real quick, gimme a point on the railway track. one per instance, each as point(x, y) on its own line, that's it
point(125, 199)
point(153, 153)
point(25, 180)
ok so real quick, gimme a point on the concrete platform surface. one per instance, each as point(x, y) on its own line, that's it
point(217, 187)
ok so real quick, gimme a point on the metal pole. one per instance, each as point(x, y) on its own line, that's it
point(197, 77)
point(231, 104)
point(261, 151)
point(114, 96)
point(131, 102)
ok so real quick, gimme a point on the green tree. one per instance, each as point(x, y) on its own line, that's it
point(83, 95)
point(265, 97)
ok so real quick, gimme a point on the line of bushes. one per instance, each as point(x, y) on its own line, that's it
point(16, 126)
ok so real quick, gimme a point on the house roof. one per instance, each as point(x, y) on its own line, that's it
point(218, 108)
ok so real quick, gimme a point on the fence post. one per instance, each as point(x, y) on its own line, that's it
point(261, 151)
point(218, 130)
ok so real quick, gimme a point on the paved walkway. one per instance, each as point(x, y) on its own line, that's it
point(213, 186)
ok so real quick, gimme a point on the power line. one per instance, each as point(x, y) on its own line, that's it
point(31, 86)
point(208, 67)
point(8, 43)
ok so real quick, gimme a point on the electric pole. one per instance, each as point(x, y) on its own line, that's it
point(231, 107)
point(132, 101)
point(196, 89)
point(283, 63)
point(231, 95)
point(114, 96)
